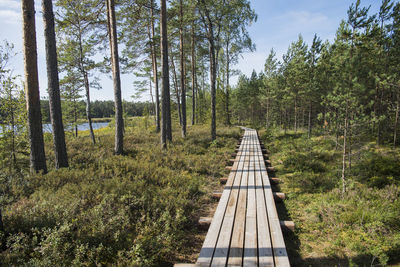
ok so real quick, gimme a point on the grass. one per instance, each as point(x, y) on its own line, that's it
point(139, 209)
point(359, 228)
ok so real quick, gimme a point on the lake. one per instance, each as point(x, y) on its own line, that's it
point(81, 127)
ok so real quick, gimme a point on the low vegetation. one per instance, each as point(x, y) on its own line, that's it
point(138, 209)
point(358, 228)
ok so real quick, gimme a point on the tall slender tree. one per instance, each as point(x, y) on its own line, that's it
point(182, 68)
point(119, 122)
point(166, 131)
point(211, 16)
point(79, 25)
point(154, 64)
point(193, 70)
point(53, 86)
point(235, 40)
point(37, 154)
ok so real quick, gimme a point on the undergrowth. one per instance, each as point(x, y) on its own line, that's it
point(359, 228)
point(138, 209)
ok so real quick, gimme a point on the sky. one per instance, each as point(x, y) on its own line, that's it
point(279, 23)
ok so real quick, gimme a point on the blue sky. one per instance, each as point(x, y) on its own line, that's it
point(279, 23)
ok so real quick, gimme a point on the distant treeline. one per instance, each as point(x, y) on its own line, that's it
point(103, 109)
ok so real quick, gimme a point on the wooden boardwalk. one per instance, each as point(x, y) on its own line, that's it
point(245, 229)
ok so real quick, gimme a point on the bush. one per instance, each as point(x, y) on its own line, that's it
point(377, 169)
point(105, 209)
point(311, 182)
point(304, 162)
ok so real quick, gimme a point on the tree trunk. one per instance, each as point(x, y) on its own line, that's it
point(267, 113)
point(88, 113)
point(155, 72)
point(213, 93)
point(60, 149)
point(166, 133)
point(285, 121)
point(295, 114)
point(396, 121)
point(1, 223)
point(119, 121)
point(13, 159)
point(35, 130)
point(309, 120)
point(350, 139)
point(151, 96)
point(182, 69)
point(175, 80)
point(193, 59)
point(75, 118)
point(344, 150)
point(228, 117)
point(213, 68)
point(87, 90)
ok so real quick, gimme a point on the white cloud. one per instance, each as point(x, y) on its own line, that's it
point(10, 16)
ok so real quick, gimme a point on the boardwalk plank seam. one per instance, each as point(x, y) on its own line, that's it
point(245, 230)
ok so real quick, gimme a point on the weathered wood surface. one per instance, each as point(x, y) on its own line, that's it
point(245, 229)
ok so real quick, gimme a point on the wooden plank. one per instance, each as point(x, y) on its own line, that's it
point(246, 230)
point(222, 248)
point(208, 248)
point(250, 246)
point(237, 241)
point(186, 265)
point(278, 243)
point(265, 253)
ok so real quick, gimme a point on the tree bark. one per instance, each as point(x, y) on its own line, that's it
point(213, 93)
point(193, 58)
point(182, 69)
point(75, 118)
point(155, 71)
point(175, 81)
point(13, 159)
point(344, 150)
point(119, 121)
point(88, 113)
point(60, 149)
point(35, 130)
point(87, 89)
point(396, 121)
point(267, 113)
point(295, 114)
point(166, 133)
point(213, 66)
point(151, 96)
point(309, 120)
point(228, 115)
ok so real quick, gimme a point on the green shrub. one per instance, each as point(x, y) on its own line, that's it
point(304, 162)
point(311, 182)
point(105, 209)
point(377, 169)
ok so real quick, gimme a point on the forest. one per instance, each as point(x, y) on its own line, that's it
point(131, 193)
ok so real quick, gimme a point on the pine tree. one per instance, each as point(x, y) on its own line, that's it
point(53, 86)
point(78, 29)
point(119, 122)
point(37, 155)
point(166, 131)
